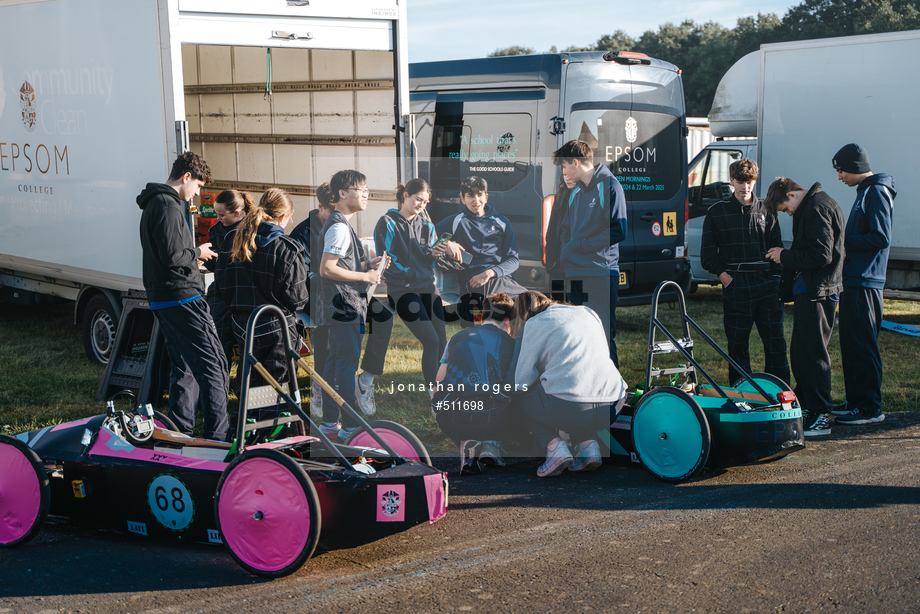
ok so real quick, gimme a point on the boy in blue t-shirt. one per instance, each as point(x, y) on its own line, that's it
point(472, 394)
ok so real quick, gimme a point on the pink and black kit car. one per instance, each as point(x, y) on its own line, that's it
point(270, 505)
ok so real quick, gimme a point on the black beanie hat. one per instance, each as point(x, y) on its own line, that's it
point(852, 158)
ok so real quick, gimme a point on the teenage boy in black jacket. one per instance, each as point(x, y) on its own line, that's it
point(817, 255)
point(174, 288)
point(737, 233)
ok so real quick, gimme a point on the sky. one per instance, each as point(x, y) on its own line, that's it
point(458, 29)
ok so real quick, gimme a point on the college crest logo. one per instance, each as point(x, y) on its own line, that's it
point(27, 104)
point(390, 503)
point(632, 130)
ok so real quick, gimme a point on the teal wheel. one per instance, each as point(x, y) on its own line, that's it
point(771, 384)
point(671, 434)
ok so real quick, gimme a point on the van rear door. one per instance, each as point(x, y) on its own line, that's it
point(633, 118)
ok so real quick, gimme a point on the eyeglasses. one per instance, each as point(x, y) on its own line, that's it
point(360, 190)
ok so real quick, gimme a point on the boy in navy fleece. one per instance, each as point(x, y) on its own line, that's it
point(489, 239)
point(593, 225)
point(867, 241)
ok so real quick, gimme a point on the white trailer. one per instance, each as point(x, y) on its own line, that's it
point(97, 98)
point(804, 100)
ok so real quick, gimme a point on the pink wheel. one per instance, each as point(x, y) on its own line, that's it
point(268, 513)
point(25, 493)
point(402, 440)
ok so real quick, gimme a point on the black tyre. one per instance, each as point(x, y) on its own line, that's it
point(100, 323)
point(671, 434)
point(267, 512)
point(402, 440)
point(25, 492)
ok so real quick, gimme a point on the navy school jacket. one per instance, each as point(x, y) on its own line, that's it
point(489, 239)
point(593, 226)
point(409, 245)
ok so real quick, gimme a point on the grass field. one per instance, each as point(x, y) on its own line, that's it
point(45, 377)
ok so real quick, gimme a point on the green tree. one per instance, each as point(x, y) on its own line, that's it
point(704, 52)
point(618, 41)
point(515, 50)
point(826, 18)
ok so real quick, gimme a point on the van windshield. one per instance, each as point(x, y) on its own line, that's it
point(642, 149)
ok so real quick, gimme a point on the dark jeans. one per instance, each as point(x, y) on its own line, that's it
point(268, 348)
point(545, 415)
point(378, 330)
point(860, 324)
point(198, 368)
point(339, 367)
point(319, 338)
point(222, 322)
point(424, 317)
point(811, 363)
point(601, 294)
point(752, 298)
point(483, 418)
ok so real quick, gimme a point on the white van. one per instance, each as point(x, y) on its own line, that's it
point(708, 184)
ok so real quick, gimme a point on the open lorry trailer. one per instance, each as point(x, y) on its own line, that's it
point(98, 97)
point(804, 100)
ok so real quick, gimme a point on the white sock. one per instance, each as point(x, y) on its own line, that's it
point(367, 379)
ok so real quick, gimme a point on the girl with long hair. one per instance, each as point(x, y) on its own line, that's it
point(408, 236)
point(263, 266)
point(231, 206)
point(562, 362)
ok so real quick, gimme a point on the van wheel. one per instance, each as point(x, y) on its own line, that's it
point(694, 287)
point(100, 322)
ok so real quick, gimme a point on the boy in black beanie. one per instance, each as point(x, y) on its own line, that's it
point(868, 239)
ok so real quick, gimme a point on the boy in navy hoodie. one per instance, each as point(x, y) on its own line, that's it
point(593, 225)
point(868, 239)
point(489, 239)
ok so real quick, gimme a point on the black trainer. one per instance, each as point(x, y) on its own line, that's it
point(841, 409)
point(855, 418)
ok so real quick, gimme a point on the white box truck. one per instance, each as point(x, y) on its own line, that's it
point(97, 97)
point(804, 100)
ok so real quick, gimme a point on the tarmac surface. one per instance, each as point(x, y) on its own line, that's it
point(833, 528)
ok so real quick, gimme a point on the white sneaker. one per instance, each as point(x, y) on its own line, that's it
point(365, 396)
point(490, 454)
point(587, 456)
point(558, 459)
point(316, 403)
point(330, 430)
point(345, 433)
